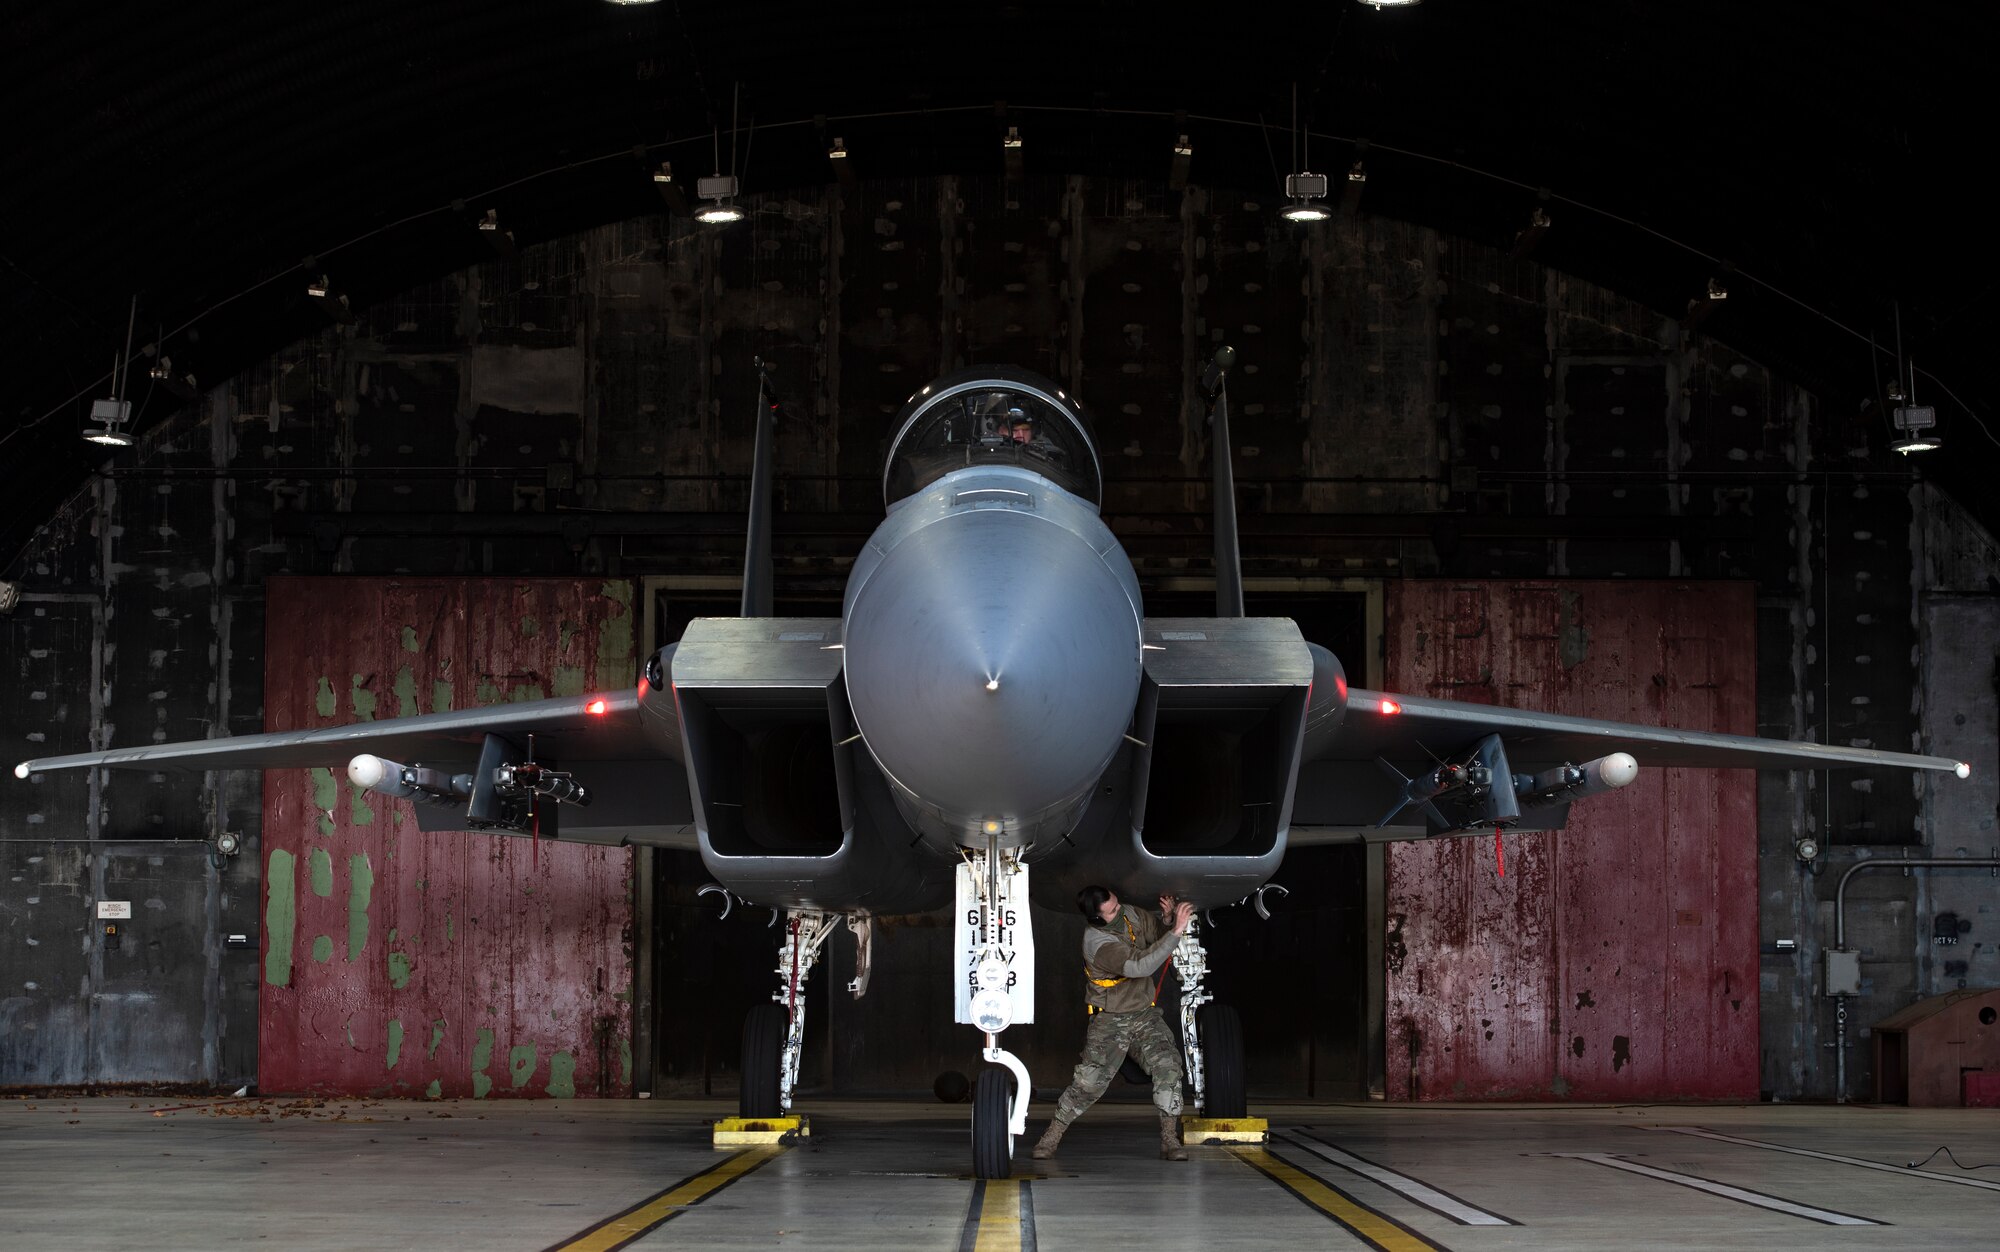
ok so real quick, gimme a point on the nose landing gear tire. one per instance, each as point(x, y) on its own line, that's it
point(764, 1030)
point(1222, 1062)
point(992, 1107)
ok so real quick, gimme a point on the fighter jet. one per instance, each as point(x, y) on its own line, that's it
point(992, 704)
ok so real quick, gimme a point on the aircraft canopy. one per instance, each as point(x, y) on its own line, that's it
point(991, 417)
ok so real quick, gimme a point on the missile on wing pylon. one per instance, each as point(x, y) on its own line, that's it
point(412, 782)
point(1565, 783)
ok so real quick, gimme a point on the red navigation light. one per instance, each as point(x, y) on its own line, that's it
point(1390, 706)
point(597, 706)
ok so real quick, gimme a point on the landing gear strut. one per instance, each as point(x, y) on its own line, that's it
point(996, 988)
point(1211, 1035)
point(774, 1034)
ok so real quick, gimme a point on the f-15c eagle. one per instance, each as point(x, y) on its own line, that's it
point(992, 701)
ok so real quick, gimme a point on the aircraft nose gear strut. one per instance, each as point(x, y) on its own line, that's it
point(996, 989)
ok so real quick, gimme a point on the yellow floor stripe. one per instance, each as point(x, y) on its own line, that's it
point(616, 1232)
point(1364, 1223)
point(999, 1228)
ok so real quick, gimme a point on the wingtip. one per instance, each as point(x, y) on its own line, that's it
point(1963, 769)
point(21, 770)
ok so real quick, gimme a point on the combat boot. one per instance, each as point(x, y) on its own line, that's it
point(1046, 1146)
point(1170, 1139)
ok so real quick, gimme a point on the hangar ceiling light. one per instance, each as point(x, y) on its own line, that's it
point(112, 413)
point(720, 192)
point(1306, 191)
point(1914, 422)
point(110, 417)
point(720, 189)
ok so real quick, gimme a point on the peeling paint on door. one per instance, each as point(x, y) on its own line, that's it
point(441, 928)
point(1582, 980)
point(521, 1063)
point(326, 794)
point(482, 1056)
point(562, 1076)
point(281, 916)
point(406, 691)
point(360, 886)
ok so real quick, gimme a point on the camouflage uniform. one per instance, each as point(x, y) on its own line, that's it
point(1120, 959)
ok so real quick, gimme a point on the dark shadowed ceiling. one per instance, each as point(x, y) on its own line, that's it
point(1830, 155)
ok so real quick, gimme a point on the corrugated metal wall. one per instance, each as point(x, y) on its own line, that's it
point(448, 964)
point(1616, 959)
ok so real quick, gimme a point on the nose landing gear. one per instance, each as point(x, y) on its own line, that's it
point(996, 988)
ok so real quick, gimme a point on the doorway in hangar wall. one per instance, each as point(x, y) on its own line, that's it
point(1299, 981)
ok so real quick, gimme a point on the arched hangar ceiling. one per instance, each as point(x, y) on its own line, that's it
point(194, 154)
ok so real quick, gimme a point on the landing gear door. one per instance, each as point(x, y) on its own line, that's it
point(1011, 940)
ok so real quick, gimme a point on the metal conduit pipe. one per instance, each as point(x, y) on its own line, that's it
point(1840, 940)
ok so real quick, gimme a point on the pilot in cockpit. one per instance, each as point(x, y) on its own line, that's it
point(1028, 435)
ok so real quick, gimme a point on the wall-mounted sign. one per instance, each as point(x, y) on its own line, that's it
point(110, 909)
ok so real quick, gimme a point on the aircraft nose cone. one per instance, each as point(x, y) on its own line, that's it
point(992, 664)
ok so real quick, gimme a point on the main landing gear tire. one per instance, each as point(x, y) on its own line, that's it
point(1222, 1062)
point(764, 1030)
point(992, 1109)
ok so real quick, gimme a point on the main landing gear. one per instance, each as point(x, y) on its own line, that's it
point(774, 1033)
point(996, 988)
point(1211, 1035)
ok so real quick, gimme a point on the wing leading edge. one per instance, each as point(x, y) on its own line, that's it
point(631, 768)
point(568, 729)
point(1404, 766)
point(1416, 727)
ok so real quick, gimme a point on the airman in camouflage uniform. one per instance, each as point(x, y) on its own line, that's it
point(1122, 949)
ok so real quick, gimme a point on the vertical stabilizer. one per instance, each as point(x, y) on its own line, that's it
point(1228, 561)
point(758, 572)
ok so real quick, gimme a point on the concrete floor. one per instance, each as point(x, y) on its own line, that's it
point(124, 1173)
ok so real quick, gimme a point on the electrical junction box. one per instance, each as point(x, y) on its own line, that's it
point(1843, 972)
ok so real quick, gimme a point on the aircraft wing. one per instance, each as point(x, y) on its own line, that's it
point(1385, 772)
point(1424, 726)
point(633, 771)
point(565, 730)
